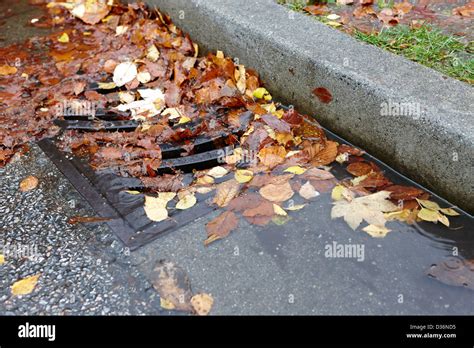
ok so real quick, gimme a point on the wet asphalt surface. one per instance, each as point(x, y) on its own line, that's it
point(86, 270)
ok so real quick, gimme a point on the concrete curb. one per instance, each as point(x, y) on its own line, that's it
point(294, 54)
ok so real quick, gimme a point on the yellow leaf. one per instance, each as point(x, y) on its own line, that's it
point(205, 180)
point(144, 77)
point(2, 259)
point(202, 303)
point(25, 286)
point(152, 53)
point(450, 212)
point(217, 172)
point(376, 231)
point(295, 170)
point(260, 93)
point(155, 207)
point(131, 192)
point(334, 24)
point(64, 38)
point(333, 17)
point(186, 202)
point(220, 54)
point(343, 157)
point(279, 210)
point(443, 219)
point(401, 215)
point(166, 304)
point(337, 192)
point(242, 176)
point(428, 204)
point(107, 85)
point(184, 119)
point(241, 79)
point(357, 180)
point(428, 215)
point(7, 70)
point(172, 113)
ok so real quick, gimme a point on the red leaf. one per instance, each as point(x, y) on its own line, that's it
point(323, 94)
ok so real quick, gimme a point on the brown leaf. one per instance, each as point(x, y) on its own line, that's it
point(277, 193)
point(359, 168)
point(272, 156)
point(402, 193)
point(276, 124)
point(323, 95)
point(221, 226)
point(327, 155)
point(29, 183)
point(317, 174)
point(86, 219)
point(225, 192)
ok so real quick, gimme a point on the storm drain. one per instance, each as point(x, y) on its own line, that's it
point(106, 192)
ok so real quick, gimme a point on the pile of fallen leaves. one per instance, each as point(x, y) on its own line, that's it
point(159, 80)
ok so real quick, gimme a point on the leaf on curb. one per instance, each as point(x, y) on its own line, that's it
point(25, 286)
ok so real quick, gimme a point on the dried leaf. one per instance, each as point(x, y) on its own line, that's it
point(186, 202)
point(7, 70)
point(279, 210)
point(124, 73)
point(152, 53)
point(376, 231)
point(202, 303)
point(29, 183)
point(218, 172)
point(221, 226)
point(272, 156)
point(307, 191)
point(226, 191)
point(277, 193)
point(359, 168)
point(155, 207)
point(242, 176)
point(25, 286)
point(2, 259)
point(90, 11)
point(295, 170)
point(369, 208)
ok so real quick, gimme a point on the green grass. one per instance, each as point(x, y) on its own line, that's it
point(428, 46)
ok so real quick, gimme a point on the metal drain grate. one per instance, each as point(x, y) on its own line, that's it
point(105, 191)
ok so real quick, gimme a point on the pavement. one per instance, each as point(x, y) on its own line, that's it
point(85, 270)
